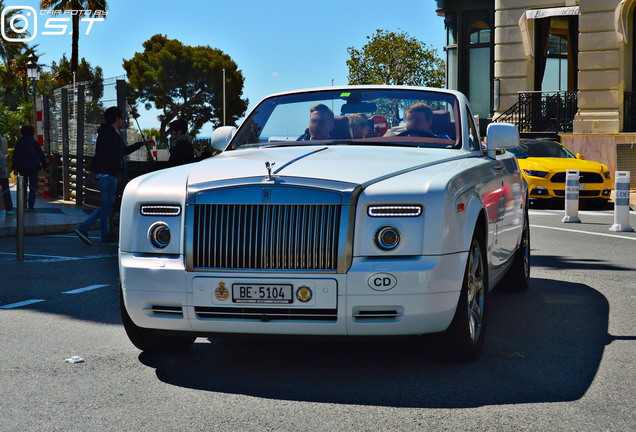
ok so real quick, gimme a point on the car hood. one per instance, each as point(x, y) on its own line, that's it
point(346, 163)
point(560, 164)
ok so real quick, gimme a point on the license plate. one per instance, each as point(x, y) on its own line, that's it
point(581, 186)
point(259, 293)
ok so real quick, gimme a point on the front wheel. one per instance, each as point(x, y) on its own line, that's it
point(148, 339)
point(464, 338)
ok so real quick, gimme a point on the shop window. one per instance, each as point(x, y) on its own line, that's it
point(556, 54)
point(451, 53)
point(479, 33)
point(479, 64)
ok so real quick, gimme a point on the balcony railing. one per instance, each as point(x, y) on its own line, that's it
point(542, 112)
point(629, 122)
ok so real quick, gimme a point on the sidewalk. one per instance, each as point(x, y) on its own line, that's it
point(55, 216)
point(51, 216)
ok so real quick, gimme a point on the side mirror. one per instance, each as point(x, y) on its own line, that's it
point(222, 136)
point(579, 156)
point(501, 136)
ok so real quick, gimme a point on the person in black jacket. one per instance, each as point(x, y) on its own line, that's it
point(28, 159)
point(181, 150)
point(106, 166)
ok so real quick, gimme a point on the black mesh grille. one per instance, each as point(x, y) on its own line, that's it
point(267, 314)
point(582, 193)
point(584, 177)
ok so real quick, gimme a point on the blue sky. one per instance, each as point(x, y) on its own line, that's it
point(278, 44)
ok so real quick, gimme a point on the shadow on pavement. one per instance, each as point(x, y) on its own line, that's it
point(544, 345)
point(557, 262)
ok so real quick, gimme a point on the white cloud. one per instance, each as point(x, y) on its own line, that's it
point(274, 75)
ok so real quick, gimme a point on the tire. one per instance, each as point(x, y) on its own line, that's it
point(149, 340)
point(518, 277)
point(464, 338)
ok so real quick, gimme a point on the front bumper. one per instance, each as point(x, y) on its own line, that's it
point(542, 188)
point(411, 295)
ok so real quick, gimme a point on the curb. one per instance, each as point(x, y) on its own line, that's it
point(34, 230)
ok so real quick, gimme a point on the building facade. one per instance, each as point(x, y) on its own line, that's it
point(563, 68)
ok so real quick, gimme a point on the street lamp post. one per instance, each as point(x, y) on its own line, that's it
point(33, 72)
point(223, 97)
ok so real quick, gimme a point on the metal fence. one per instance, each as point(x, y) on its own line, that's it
point(542, 112)
point(72, 116)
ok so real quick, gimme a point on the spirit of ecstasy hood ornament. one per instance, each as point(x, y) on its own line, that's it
point(269, 167)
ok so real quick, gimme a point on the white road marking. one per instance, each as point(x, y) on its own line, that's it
point(50, 258)
point(584, 232)
point(609, 213)
point(22, 303)
point(543, 213)
point(81, 290)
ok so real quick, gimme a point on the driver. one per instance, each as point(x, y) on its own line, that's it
point(419, 118)
point(320, 123)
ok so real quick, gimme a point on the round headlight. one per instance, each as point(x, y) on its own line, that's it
point(387, 238)
point(159, 235)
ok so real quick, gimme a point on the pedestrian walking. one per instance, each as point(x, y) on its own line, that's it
point(5, 173)
point(106, 166)
point(181, 150)
point(28, 160)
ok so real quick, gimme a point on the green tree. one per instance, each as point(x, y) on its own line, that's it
point(14, 58)
point(185, 81)
point(8, 49)
point(75, 5)
point(395, 58)
point(61, 75)
point(151, 134)
point(11, 120)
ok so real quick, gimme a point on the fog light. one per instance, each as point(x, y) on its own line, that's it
point(387, 238)
point(607, 192)
point(539, 191)
point(159, 235)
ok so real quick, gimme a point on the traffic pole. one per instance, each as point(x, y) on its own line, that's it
point(621, 203)
point(20, 220)
point(571, 197)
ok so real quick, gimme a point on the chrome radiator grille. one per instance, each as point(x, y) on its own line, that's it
point(266, 236)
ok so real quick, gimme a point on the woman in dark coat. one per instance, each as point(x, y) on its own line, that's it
point(28, 159)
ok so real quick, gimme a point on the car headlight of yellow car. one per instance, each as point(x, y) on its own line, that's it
point(535, 173)
point(607, 174)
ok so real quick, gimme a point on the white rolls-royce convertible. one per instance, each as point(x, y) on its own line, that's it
point(341, 211)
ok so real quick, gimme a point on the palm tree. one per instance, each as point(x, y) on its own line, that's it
point(14, 58)
point(75, 5)
point(8, 49)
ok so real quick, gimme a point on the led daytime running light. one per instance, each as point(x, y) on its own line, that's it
point(160, 210)
point(395, 211)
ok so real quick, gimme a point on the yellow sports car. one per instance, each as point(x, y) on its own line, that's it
point(543, 165)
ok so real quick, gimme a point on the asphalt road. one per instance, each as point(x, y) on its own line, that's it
point(561, 356)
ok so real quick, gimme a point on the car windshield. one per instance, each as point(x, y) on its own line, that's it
point(354, 116)
point(546, 149)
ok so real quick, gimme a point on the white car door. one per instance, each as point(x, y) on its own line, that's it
point(512, 211)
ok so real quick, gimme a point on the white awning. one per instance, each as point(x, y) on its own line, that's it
point(621, 20)
point(527, 28)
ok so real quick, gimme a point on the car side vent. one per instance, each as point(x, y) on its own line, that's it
point(168, 311)
point(364, 314)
